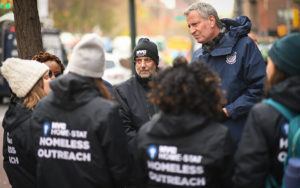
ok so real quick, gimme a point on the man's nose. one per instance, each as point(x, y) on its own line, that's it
point(143, 63)
point(192, 29)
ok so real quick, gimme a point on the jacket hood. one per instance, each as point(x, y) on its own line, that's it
point(15, 115)
point(287, 92)
point(237, 27)
point(173, 125)
point(71, 90)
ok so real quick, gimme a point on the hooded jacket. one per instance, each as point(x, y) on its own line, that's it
point(241, 67)
point(135, 109)
point(78, 136)
point(18, 163)
point(185, 150)
point(263, 146)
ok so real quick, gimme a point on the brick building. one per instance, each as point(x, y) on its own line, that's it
point(272, 17)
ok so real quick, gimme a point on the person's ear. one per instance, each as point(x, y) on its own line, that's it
point(212, 21)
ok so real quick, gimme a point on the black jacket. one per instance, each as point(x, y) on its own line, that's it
point(263, 146)
point(186, 150)
point(19, 165)
point(79, 138)
point(135, 109)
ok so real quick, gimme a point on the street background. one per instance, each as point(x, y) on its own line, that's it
point(64, 22)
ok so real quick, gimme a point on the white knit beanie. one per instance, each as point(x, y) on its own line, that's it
point(87, 58)
point(22, 75)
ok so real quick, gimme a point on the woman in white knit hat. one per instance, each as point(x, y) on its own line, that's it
point(29, 82)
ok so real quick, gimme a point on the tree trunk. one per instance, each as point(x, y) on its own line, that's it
point(28, 28)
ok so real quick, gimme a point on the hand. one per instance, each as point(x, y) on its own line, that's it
point(225, 112)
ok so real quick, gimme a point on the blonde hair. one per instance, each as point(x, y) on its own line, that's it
point(35, 95)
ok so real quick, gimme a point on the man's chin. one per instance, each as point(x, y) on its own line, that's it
point(199, 40)
point(145, 76)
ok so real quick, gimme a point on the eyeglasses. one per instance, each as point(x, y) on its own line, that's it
point(147, 60)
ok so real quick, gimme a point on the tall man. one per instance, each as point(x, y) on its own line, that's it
point(135, 110)
point(234, 56)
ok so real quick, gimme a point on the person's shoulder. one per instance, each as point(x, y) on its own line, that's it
point(218, 129)
point(145, 132)
point(43, 104)
point(102, 107)
point(262, 111)
point(245, 40)
point(262, 107)
point(246, 45)
point(197, 53)
point(125, 87)
point(15, 117)
point(104, 103)
point(146, 127)
point(126, 84)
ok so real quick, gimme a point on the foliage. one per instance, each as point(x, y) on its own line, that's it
point(83, 16)
point(297, 1)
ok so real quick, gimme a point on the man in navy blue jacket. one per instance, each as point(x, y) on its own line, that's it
point(229, 51)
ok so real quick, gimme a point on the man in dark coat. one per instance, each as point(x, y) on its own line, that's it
point(135, 109)
point(234, 56)
point(263, 148)
point(79, 140)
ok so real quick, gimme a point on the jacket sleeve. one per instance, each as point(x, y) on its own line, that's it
point(125, 114)
point(113, 141)
point(252, 157)
point(253, 74)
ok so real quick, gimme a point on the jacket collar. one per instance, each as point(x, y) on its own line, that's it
point(236, 29)
point(71, 90)
point(287, 92)
point(171, 125)
point(16, 114)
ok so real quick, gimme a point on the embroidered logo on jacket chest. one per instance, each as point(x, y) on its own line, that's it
point(231, 58)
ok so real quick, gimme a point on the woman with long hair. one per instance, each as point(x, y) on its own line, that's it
point(28, 81)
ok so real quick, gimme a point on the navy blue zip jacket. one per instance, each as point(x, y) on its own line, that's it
point(241, 67)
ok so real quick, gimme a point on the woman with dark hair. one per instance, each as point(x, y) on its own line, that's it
point(180, 59)
point(264, 145)
point(183, 146)
point(53, 62)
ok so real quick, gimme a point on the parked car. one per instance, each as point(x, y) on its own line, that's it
point(114, 72)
